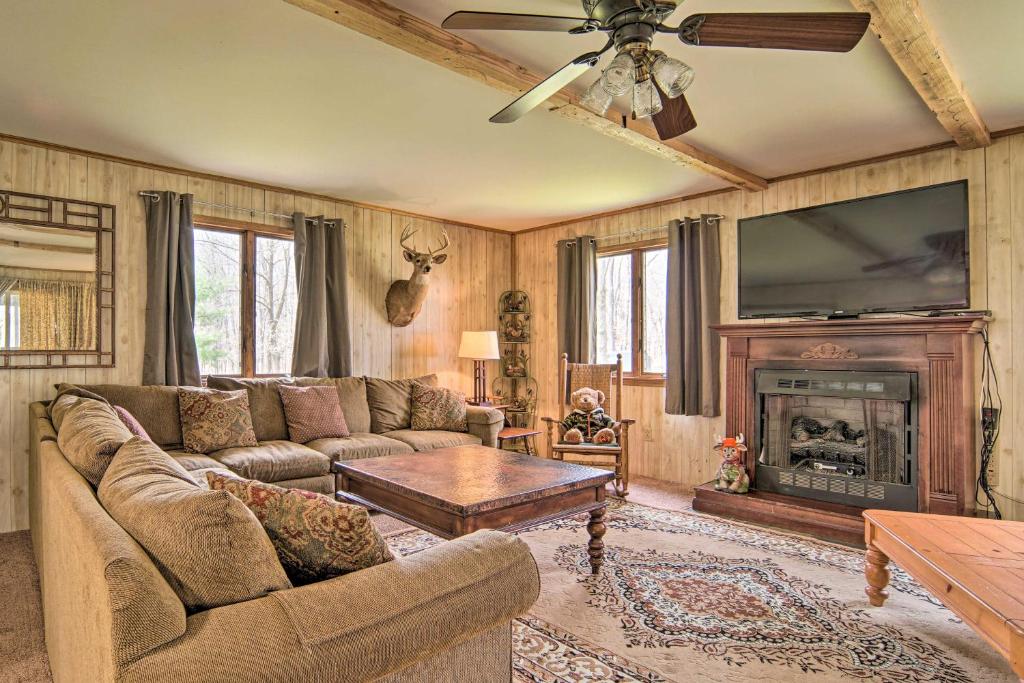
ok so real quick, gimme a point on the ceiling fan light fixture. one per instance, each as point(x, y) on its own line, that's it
point(646, 101)
point(597, 99)
point(620, 76)
point(672, 75)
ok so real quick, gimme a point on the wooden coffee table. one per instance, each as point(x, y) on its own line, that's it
point(975, 567)
point(456, 491)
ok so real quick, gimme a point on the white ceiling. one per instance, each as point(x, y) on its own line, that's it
point(261, 90)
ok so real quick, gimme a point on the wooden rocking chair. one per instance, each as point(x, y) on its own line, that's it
point(573, 376)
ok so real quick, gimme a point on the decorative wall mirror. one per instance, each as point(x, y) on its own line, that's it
point(56, 282)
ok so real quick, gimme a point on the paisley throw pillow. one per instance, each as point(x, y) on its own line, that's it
point(316, 537)
point(438, 408)
point(212, 420)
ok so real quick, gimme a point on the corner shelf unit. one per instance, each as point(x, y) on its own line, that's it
point(514, 385)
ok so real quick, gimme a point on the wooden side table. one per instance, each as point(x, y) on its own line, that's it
point(972, 566)
point(514, 433)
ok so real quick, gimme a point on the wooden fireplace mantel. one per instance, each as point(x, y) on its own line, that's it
point(940, 350)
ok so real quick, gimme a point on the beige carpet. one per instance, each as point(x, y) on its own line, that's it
point(22, 652)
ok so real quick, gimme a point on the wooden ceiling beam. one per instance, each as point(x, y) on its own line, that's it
point(399, 29)
point(909, 39)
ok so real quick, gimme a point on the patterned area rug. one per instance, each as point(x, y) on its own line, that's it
point(685, 596)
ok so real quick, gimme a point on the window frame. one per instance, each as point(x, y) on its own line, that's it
point(637, 376)
point(249, 231)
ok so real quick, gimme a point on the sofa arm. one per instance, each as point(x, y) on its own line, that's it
point(485, 423)
point(359, 626)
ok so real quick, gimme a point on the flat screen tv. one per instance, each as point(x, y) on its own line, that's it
point(903, 251)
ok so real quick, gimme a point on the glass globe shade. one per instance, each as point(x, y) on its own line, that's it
point(620, 75)
point(673, 76)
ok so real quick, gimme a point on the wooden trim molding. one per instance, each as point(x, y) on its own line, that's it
point(409, 33)
point(908, 37)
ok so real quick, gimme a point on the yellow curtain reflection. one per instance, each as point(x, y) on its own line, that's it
point(57, 315)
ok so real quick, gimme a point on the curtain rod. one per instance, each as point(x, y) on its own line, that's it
point(639, 231)
point(214, 205)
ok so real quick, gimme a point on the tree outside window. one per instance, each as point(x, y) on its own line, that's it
point(245, 302)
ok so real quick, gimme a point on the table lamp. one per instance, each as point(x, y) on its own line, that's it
point(480, 347)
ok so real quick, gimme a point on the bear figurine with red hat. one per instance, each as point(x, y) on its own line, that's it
point(732, 474)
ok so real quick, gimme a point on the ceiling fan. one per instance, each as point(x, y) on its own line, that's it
point(656, 80)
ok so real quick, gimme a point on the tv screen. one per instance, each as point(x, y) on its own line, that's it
point(894, 252)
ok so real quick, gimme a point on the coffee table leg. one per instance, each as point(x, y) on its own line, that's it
point(595, 547)
point(876, 571)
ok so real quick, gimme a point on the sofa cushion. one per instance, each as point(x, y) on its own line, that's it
point(389, 402)
point(316, 538)
point(57, 408)
point(155, 407)
point(429, 440)
point(359, 446)
point(351, 393)
point(437, 408)
point(207, 544)
point(268, 419)
point(313, 413)
point(272, 461)
point(193, 461)
point(212, 420)
point(90, 433)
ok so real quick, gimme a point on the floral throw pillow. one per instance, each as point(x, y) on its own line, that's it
point(438, 408)
point(313, 412)
point(316, 538)
point(212, 420)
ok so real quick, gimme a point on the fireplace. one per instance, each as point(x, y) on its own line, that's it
point(843, 415)
point(841, 437)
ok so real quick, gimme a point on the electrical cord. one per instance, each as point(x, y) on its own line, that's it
point(991, 413)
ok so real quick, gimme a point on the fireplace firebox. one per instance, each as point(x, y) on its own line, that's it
point(837, 436)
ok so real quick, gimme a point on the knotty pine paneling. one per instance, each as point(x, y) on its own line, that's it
point(464, 290)
point(678, 449)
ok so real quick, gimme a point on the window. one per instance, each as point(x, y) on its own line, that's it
point(10, 321)
point(631, 306)
point(218, 316)
point(245, 301)
point(276, 301)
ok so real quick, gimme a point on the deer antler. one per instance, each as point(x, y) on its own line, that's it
point(445, 243)
point(407, 233)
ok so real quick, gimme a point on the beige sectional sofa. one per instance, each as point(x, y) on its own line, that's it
point(376, 410)
point(443, 614)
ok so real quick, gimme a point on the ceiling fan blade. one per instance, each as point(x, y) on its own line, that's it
point(675, 117)
point(499, 21)
point(551, 85)
point(821, 31)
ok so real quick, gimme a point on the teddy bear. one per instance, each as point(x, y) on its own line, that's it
point(732, 475)
point(588, 423)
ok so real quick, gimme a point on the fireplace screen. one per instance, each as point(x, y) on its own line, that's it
point(844, 437)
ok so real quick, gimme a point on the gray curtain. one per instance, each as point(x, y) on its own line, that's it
point(170, 355)
point(577, 298)
point(694, 276)
point(323, 340)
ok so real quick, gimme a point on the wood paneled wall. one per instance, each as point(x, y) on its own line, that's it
point(678, 449)
point(464, 291)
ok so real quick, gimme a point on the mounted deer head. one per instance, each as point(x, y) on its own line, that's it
point(405, 297)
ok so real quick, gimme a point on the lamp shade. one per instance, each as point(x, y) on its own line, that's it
point(479, 345)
